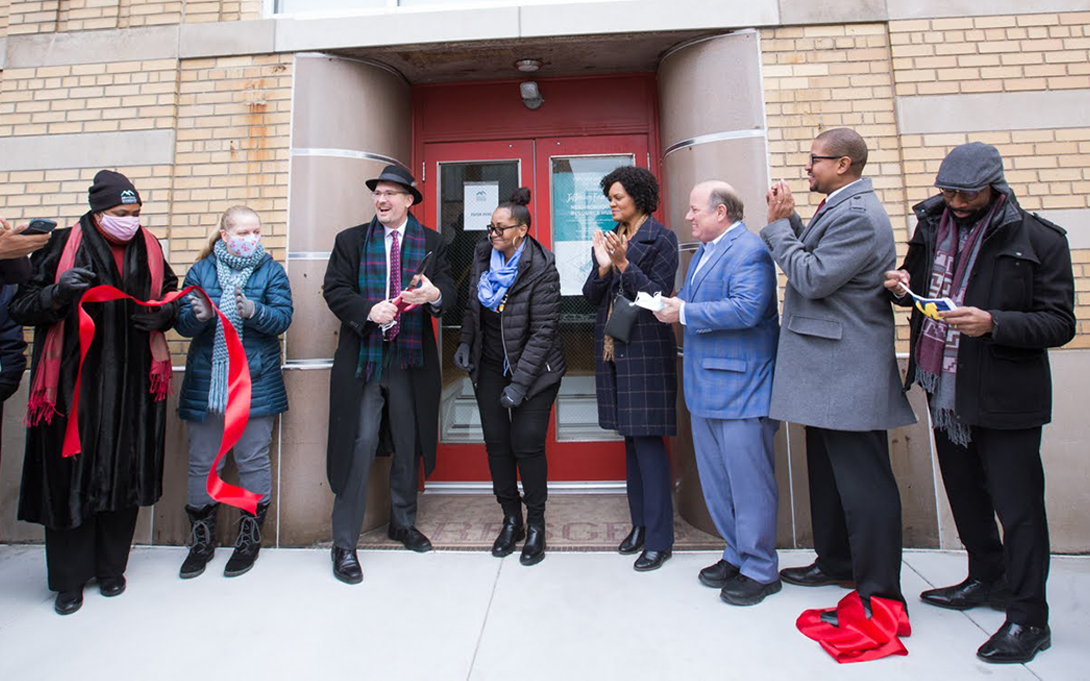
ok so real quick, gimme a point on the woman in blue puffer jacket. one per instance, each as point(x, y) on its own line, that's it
point(252, 291)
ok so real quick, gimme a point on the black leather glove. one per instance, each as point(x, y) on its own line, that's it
point(461, 358)
point(71, 285)
point(154, 318)
point(512, 396)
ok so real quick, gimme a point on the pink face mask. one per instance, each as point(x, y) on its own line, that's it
point(119, 228)
point(243, 246)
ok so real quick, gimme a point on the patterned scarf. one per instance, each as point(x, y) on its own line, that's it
point(232, 271)
point(43, 390)
point(374, 285)
point(494, 282)
point(937, 349)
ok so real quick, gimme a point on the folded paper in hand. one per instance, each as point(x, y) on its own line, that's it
point(649, 302)
point(931, 306)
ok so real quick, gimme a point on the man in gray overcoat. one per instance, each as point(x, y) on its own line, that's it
point(836, 371)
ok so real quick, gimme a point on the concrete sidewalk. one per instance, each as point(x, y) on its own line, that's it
point(461, 615)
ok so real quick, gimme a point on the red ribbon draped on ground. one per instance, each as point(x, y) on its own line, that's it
point(855, 637)
point(236, 414)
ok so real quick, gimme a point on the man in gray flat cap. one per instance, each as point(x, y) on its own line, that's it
point(984, 367)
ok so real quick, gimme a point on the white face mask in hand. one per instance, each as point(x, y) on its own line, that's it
point(120, 228)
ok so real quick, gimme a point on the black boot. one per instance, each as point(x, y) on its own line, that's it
point(202, 539)
point(512, 533)
point(248, 542)
point(533, 551)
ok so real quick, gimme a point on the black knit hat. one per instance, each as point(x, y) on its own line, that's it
point(398, 175)
point(111, 189)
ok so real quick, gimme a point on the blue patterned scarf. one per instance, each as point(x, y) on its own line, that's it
point(494, 282)
point(374, 285)
point(232, 271)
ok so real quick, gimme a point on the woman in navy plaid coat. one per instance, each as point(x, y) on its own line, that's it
point(637, 380)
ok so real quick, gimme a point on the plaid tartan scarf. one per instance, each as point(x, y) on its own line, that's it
point(937, 348)
point(374, 285)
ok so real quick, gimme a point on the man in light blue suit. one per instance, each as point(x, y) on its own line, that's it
point(727, 307)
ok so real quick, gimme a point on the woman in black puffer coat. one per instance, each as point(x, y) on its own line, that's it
point(511, 348)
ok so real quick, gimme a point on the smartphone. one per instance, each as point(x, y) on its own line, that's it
point(40, 226)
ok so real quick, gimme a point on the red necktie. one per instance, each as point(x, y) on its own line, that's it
point(395, 280)
point(820, 206)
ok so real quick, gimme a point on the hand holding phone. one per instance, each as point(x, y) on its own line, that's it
point(40, 226)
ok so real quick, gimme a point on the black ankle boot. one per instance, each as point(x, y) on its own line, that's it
point(533, 551)
point(512, 533)
point(248, 542)
point(202, 539)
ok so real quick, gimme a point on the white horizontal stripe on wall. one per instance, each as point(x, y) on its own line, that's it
point(988, 112)
point(87, 150)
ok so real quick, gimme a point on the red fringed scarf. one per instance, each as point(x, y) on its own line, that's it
point(43, 391)
point(855, 637)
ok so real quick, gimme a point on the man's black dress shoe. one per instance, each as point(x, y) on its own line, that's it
point(412, 538)
point(744, 591)
point(346, 566)
point(633, 542)
point(812, 575)
point(533, 551)
point(512, 533)
point(651, 560)
point(716, 576)
point(111, 586)
point(1015, 643)
point(969, 594)
point(68, 602)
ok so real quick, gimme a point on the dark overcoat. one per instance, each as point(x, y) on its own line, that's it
point(270, 292)
point(530, 319)
point(122, 427)
point(342, 293)
point(637, 391)
point(1023, 278)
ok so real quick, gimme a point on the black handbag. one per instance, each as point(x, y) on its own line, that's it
point(619, 324)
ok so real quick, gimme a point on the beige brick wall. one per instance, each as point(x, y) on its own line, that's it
point(44, 16)
point(5, 6)
point(991, 54)
point(234, 119)
point(118, 96)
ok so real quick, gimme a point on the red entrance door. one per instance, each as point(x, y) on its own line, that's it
point(464, 181)
point(475, 146)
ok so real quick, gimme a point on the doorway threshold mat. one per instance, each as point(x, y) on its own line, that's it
point(573, 522)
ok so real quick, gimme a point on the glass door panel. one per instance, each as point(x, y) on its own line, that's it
point(464, 182)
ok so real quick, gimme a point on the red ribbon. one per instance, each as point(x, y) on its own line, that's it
point(236, 414)
point(855, 637)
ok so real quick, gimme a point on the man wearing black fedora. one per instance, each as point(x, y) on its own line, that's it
point(385, 384)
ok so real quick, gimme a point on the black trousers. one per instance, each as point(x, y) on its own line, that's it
point(650, 487)
point(515, 440)
point(855, 508)
point(97, 548)
point(392, 394)
point(1000, 473)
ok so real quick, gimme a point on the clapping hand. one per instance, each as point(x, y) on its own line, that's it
point(601, 252)
point(781, 204)
point(202, 309)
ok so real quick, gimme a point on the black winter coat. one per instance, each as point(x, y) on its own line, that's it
point(530, 319)
point(122, 427)
point(1023, 278)
point(342, 293)
point(12, 347)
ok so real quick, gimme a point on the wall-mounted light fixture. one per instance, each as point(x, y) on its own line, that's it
point(528, 65)
point(531, 95)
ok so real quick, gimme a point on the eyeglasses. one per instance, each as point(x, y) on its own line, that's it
point(499, 229)
point(385, 194)
point(949, 194)
point(814, 159)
